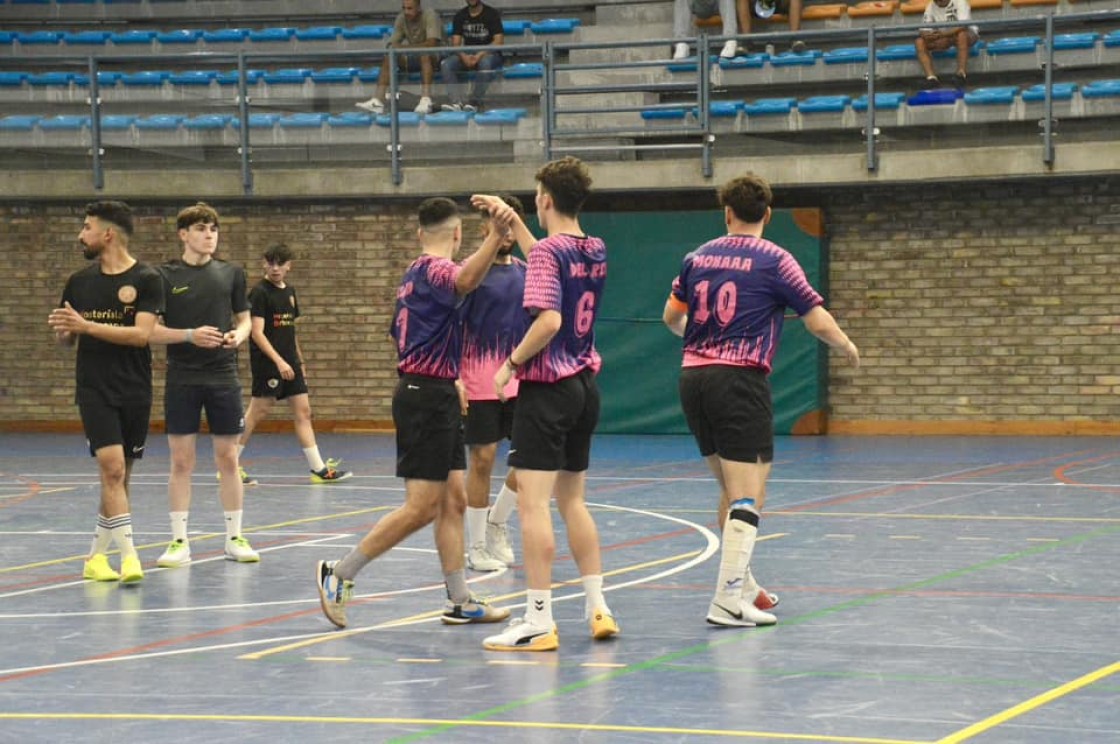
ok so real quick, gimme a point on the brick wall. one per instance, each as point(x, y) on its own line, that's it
point(978, 307)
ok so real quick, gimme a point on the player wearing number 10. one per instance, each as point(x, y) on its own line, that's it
point(728, 303)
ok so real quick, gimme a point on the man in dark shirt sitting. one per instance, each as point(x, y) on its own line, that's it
point(477, 24)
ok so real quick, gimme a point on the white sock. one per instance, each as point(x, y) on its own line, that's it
point(121, 529)
point(476, 525)
point(739, 533)
point(233, 524)
point(538, 609)
point(593, 591)
point(503, 505)
point(101, 537)
point(179, 525)
point(314, 459)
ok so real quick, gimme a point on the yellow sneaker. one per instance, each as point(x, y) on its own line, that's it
point(97, 568)
point(131, 572)
point(603, 625)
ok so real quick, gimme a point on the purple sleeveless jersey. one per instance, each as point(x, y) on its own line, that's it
point(494, 322)
point(425, 323)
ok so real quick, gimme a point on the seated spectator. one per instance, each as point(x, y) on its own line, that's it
point(413, 28)
point(763, 9)
point(935, 40)
point(477, 24)
point(684, 11)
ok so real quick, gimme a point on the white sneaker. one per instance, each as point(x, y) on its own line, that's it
point(178, 553)
point(374, 105)
point(521, 636)
point(747, 615)
point(497, 543)
point(238, 549)
point(680, 50)
point(453, 107)
point(425, 106)
point(730, 49)
point(479, 559)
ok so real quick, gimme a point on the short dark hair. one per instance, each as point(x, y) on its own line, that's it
point(748, 196)
point(116, 213)
point(436, 211)
point(568, 182)
point(278, 253)
point(512, 201)
point(200, 213)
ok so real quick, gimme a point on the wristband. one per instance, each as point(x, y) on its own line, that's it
point(190, 336)
point(511, 363)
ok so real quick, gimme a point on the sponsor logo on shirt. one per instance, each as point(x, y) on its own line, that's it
point(179, 290)
point(127, 294)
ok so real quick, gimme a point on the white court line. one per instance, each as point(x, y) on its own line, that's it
point(710, 549)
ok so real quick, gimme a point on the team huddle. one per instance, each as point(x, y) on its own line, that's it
point(490, 348)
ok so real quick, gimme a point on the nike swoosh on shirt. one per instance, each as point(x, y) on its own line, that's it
point(179, 290)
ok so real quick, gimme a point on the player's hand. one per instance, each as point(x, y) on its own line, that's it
point(851, 353)
point(207, 337)
point(286, 370)
point(464, 404)
point(67, 320)
point(231, 340)
point(501, 379)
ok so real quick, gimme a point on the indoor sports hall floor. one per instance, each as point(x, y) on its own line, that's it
point(932, 590)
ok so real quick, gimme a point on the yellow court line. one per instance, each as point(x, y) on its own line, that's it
point(537, 725)
point(334, 635)
point(207, 536)
point(950, 517)
point(1025, 707)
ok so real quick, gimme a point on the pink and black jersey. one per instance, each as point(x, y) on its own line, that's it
point(425, 323)
point(566, 273)
point(736, 289)
point(494, 322)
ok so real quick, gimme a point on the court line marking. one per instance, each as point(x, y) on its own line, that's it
point(948, 517)
point(1028, 705)
point(535, 725)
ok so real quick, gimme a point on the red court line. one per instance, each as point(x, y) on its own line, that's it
point(1060, 473)
point(33, 490)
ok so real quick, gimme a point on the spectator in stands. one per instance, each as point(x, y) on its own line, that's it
point(936, 40)
point(414, 27)
point(684, 11)
point(763, 9)
point(477, 24)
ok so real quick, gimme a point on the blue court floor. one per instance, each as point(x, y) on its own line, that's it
point(932, 590)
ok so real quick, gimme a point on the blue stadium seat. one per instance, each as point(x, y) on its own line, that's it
point(938, 97)
point(885, 101)
point(896, 53)
point(1101, 89)
point(951, 53)
point(722, 109)
point(449, 119)
point(160, 122)
point(689, 64)
point(846, 55)
point(75, 2)
point(664, 114)
point(1065, 42)
point(523, 70)
point(351, 119)
point(64, 123)
point(824, 104)
point(38, 37)
point(334, 75)
point(366, 32)
point(193, 77)
point(31, 2)
point(1014, 45)
point(225, 36)
point(318, 33)
point(996, 96)
point(1059, 92)
point(306, 120)
point(769, 106)
point(258, 121)
point(86, 37)
point(229, 77)
point(515, 28)
point(282, 33)
point(498, 117)
point(41, 79)
point(145, 78)
point(208, 122)
point(179, 36)
point(554, 26)
point(291, 76)
point(12, 79)
point(117, 122)
point(132, 37)
point(744, 62)
point(807, 58)
point(1112, 39)
point(107, 78)
point(404, 119)
point(7, 37)
point(18, 123)
point(369, 74)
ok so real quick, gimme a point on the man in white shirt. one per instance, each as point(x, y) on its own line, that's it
point(936, 40)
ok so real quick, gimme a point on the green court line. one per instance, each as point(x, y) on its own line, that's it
point(737, 637)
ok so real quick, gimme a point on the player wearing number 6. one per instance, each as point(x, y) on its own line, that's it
point(728, 303)
point(557, 403)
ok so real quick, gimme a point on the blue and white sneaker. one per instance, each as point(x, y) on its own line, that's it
point(474, 610)
point(334, 592)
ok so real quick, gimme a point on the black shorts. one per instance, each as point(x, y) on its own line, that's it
point(106, 425)
point(429, 427)
point(183, 406)
point(489, 421)
point(729, 411)
point(553, 423)
point(267, 382)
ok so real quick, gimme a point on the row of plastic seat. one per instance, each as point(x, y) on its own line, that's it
point(262, 35)
point(290, 76)
point(210, 122)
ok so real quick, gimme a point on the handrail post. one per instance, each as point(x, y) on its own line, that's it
point(95, 126)
point(872, 154)
point(1048, 103)
point(243, 115)
point(394, 123)
point(704, 83)
point(548, 98)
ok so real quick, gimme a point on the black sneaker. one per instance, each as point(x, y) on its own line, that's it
point(960, 80)
point(931, 83)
